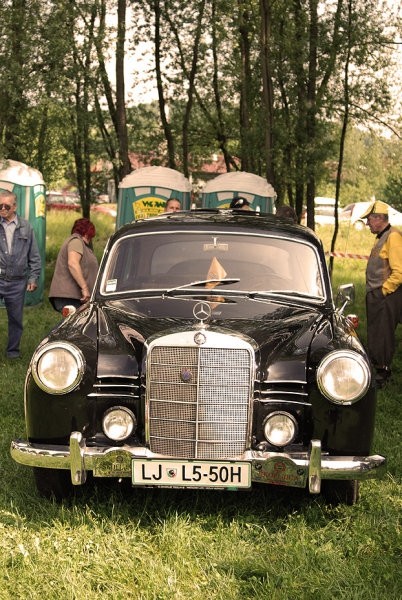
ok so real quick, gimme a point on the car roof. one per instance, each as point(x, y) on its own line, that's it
point(237, 221)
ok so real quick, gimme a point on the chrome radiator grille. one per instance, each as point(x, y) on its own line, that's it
point(198, 401)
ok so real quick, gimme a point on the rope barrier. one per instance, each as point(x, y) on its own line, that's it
point(346, 255)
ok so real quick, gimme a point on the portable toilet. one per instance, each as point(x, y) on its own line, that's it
point(220, 191)
point(144, 193)
point(28, 185)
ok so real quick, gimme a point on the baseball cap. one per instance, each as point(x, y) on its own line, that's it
point(376, 207)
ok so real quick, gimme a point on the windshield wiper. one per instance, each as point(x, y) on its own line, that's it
point(258, 294)
point(205, 282)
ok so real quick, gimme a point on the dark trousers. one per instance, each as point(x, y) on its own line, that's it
point(13, 294)
point(383, 315)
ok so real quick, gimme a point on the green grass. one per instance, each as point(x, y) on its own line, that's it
point(113, 542)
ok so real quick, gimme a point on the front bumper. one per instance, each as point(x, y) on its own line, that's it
point(294, 470)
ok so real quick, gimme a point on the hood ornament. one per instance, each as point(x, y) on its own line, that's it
point(202, 312)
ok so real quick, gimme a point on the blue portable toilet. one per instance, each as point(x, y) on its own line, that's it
point(144, 193)
point(28, 185)
point(219, 192)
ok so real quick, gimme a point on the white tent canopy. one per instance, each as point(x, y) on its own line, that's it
point(161, 177)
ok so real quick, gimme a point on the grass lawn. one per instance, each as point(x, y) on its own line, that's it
point(116, 543)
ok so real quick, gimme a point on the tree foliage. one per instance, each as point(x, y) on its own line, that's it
point(260, 81)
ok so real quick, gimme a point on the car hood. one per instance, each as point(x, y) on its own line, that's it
point(281, 334)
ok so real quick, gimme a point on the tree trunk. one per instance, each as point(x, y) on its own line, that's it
point(311, 163)
point(345, 122)
point(268, 92)
point(191, 88)
point(220, 125)
point(189, 75)
point(125, 166)
point(300, 126)
point(246, 85)
point(159, 84)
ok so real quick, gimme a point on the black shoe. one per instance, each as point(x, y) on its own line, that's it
point(382, 377)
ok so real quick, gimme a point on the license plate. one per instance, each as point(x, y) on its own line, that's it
point(174, 473)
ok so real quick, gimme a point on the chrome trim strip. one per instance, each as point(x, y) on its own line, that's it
point(286, 381)
point(281, 392)
point(129, 386)
point(276, 400)
point(111, 395)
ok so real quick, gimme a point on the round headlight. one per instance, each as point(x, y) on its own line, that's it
point(58, 367)
point(280, 428)
point(118, 423)
point(343, 377)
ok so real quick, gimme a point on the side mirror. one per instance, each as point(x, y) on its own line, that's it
point(345, 296)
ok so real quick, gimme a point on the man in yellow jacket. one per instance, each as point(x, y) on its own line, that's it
point(383, 289)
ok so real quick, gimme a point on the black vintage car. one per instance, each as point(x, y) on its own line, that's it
point(211, 355)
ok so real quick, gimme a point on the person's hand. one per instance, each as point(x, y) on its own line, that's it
point(31, 287)
point(85, 294)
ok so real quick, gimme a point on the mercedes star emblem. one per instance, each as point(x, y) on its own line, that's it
point(200, 339)
point(202, 311)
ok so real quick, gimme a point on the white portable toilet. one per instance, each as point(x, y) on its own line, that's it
point(144, 193)
point(220, 191)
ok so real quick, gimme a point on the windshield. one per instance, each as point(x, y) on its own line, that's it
point(246, 263)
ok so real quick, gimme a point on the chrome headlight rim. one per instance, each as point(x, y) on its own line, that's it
point(78, 357)
point(290, 418)
point(359, 361)
point(114, 409)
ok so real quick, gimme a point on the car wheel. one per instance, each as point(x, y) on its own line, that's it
point(53, 483)
point(345, 491)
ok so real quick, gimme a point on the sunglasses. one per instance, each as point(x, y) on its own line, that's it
point(5, 206)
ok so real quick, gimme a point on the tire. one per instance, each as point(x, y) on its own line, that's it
point(345, 491)
point(53, 483)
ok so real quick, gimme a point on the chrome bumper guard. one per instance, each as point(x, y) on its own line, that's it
point(295, 470)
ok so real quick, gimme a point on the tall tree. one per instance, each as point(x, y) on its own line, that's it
point(79, 101)
point(18, 25)
point(267, 87)
point(159, 83)
point(259, 79)
point(345, 123)
point(219, 123)
point(104, 91)
point(189, 71)
point(125, 166)
point(247, 142)
point(311, 111)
